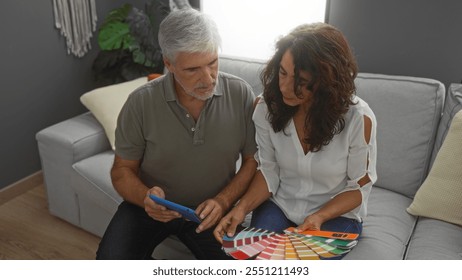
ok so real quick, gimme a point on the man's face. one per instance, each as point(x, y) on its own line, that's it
point(195, 74)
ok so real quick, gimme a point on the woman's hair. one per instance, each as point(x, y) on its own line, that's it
point(190, 31)
point(323, 51)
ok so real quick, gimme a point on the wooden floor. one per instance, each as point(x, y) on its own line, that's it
point(29, 232)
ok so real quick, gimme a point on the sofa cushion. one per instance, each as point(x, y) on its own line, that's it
point(106, 102)
point(92, 180)
point(435, 240)
point(408, 111)
point(386, 229)
point(440, 196)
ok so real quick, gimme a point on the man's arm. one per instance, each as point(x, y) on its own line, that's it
point(239, 184)
point(124, 175)
point(214, 209)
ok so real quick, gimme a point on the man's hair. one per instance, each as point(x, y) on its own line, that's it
point(190, 31)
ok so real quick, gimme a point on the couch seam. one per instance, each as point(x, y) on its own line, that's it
point(93, 183)
point(409, 240)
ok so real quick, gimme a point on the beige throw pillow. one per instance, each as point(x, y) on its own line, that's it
point(440, 196)
point(105, 104)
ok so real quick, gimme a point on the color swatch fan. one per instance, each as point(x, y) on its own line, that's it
point(253, 243)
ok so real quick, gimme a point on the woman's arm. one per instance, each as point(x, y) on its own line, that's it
point(255, 195)
point(343, 202)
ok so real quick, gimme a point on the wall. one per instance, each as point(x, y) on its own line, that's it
point(412, 37)
point(40, 83)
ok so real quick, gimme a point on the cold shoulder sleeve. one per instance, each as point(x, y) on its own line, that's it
point(362, 155)
point(265, 155)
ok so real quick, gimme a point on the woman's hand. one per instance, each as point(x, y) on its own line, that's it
point(312, 222)
point(229, 223)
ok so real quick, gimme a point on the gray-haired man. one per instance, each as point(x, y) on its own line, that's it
point(178, 137)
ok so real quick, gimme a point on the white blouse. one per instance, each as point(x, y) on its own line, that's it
point(301, 184)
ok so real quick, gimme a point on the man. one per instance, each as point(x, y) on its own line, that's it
point(178, 137)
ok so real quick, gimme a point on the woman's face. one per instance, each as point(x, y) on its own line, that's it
point(287, 82)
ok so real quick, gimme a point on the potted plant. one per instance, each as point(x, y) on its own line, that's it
point(128, 42)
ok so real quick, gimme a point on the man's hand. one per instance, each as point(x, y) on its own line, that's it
point(158, 212)
point(210, 211)
point(229, 224)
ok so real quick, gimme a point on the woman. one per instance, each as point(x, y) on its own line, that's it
point(316, 139)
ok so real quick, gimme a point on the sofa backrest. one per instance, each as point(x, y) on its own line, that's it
point(247, 69)
point(408, 111)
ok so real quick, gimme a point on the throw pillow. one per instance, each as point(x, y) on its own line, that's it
point(153, 76)
point(440, 196)
point(105, 104)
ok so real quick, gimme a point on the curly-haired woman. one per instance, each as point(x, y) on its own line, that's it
point(316, 139)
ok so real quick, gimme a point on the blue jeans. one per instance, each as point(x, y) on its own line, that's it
point(133, 235)
point(270, 217)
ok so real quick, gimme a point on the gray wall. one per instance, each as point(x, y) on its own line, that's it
point(39, 83)
point(404, 37)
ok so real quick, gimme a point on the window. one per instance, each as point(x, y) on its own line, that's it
point(249, 28)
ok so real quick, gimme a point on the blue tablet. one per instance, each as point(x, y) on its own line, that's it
point(186, 212)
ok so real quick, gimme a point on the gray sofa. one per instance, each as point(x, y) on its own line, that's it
point(412, 118)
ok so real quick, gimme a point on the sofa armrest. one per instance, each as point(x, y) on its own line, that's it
point(60, 146)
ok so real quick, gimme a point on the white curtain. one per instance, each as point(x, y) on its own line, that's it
point(76, 20)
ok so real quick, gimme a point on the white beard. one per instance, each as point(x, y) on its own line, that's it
point(197, 96)
point(201, 97)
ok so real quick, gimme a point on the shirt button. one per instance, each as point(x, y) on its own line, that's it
point(193, 129)
point(187, 115)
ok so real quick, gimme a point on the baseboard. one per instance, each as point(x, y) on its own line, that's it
point(9, 192)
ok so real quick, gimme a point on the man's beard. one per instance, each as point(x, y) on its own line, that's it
point(201, 97)
point(199, 86)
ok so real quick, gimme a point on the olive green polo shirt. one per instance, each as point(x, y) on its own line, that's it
point(191, 161)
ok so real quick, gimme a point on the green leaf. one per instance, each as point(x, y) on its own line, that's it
point(128, 43)
point(115, 35)
point(139, 57)
point(115, 31)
